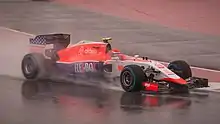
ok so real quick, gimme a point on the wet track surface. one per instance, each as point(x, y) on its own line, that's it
point(59, 103)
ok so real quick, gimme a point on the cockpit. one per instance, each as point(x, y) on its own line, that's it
point(114, 53)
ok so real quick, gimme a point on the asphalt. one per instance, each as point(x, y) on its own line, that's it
point(193, 15)
point(61, 103)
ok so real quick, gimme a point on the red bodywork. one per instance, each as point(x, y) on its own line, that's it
point(84, 52)
point(97, 51)
point(149, 86)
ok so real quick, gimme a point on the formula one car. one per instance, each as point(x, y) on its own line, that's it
point(98, 60)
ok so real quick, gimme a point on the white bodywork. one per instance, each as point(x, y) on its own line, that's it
point(147, 64)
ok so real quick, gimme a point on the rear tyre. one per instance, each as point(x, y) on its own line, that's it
point(181, 68)
point(33, 66)
point(131, 78)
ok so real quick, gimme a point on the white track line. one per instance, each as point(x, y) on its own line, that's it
point(17, 31)
point(204, 69)
point(198, 68)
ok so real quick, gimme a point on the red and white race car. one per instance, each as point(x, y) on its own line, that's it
point(52, 53)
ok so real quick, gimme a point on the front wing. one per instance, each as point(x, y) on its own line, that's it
point(192, 83)
point(196, 82)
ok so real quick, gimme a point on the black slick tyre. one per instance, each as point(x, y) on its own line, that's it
point(33, 66)
point(181, 68)
point(131, 78)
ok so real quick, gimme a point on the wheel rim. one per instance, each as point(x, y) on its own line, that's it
point(29, 66)
point(127, 79)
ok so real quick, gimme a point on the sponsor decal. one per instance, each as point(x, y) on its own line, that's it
point(84, 67)
point(83, 50)
point(115, 58)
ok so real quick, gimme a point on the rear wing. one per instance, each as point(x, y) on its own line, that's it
point(50, 39)
point(47, 42)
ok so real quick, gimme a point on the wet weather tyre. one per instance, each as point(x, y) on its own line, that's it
point(131, 78)
point(33, 66)
point(181, 68)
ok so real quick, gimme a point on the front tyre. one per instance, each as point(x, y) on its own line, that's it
point(181, 68)
point(131, 78)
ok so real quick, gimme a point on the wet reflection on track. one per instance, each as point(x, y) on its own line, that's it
point(131, 102)
point(56, 103)
point(90, 100)
point(66, 93)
